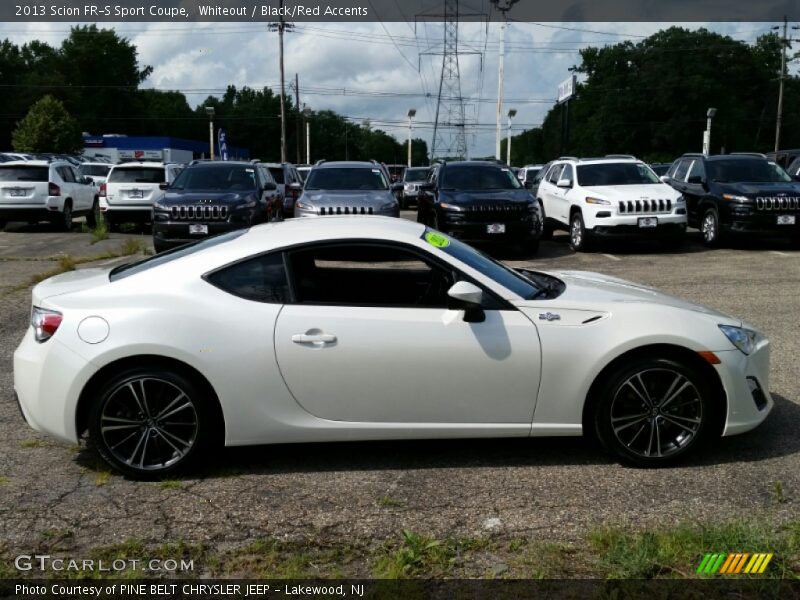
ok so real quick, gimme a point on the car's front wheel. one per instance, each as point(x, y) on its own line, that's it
point(710, 228)
point(578, 236)
point(93, 217)
point(653, 411)
point(149, 422)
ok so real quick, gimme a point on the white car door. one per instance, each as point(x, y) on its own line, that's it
point(548, 192)
point(374, 342)
point(84, 189)
point(73, 189)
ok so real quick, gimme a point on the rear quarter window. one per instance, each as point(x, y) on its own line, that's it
point(261, 279)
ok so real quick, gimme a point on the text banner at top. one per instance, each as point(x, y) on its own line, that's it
point(410, 11)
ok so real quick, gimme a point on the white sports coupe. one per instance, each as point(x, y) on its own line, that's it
point(364, 328)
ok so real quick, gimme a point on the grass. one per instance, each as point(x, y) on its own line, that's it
point(4, 480)
point(32, 443)
point(102, 478)
point(170, 484)
point(422, 556)
point(777, 492)
point(389, 502)
point(677, 551)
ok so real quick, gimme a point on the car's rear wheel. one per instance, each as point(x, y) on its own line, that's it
point(710, 228)
point(63, 220)
point(547, 228)
point(654, 411)
point(147, 422)
point(578, 236)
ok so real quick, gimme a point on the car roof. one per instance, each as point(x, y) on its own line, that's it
point(136, 164)
point(33, 163)
point(348, 164)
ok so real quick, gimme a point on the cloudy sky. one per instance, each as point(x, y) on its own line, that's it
point(375, 71)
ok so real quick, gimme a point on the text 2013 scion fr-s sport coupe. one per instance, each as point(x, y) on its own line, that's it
point(359, 328)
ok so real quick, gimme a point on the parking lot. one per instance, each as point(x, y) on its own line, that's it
point(58, 498)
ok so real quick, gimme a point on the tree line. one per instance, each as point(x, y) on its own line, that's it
point(91, 83)
point(650, 99)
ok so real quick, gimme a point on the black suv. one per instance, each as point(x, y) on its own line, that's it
point(212, 197)
point(480, 202)
point(737, 193)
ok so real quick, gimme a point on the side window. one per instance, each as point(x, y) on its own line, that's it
point(568, 173)
point(367, 275)
point(680, 172)
point(555, 171)
point(262, 279)
point(697, 169)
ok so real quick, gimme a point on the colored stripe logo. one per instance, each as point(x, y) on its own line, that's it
point(733, 564)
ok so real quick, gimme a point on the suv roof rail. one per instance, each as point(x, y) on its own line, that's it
point(567, 158)
point(757, 154)
point(631, 156)
point(319, 162)
point(693, 154)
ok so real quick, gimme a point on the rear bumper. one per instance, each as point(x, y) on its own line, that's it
point(127, 213)
point(29, 211)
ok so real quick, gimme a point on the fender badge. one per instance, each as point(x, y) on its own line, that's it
point(548, 316)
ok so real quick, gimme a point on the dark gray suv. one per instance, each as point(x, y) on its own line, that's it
point(348, 188)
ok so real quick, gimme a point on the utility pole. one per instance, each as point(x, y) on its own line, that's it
point(785, 44)
point(298, 135)
point(503, 6)
point(280, 27)
point(412, 112)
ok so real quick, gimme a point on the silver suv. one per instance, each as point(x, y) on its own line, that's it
point(348, 188)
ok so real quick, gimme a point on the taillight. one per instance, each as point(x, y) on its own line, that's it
point(45, 323)
point(53, 189)
point(103, 190)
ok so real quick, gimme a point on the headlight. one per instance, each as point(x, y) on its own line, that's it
point(591, 200)
point(680, 200)
point(387, 205)
point(533, 206)
point(304, 205)
point(446, 206)
point(744, 339)
point(158, 206)
point(734, 198)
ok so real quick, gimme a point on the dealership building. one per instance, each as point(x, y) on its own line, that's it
point(157, 148)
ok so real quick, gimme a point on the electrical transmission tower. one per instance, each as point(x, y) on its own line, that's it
point(449, 135)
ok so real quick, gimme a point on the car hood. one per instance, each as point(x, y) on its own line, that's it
point(347, 198)
point(587, 289)
point(644, 191)
point(759, 189)
point(468, 197)
point(194, 198)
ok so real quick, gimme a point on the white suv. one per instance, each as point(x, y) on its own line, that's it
point(614, 196)
point(131, 189)
point(41, 190)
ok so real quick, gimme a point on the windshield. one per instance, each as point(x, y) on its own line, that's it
point(346, 179)
point(24, 173)
point(482, 263)
point(145, 264)
point(216, 178)
point(478, 177)
point(277, 174)
point(95, 170)
point(616, 174)
point(137, 175)
point(740, 171)
point(416, 174)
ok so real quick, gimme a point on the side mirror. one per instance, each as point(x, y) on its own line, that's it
point(564, 183)
point(163, 185)
point(397, 186)
point(468, 297)
point(270, 186)
point(695, 179)
point(664, 179)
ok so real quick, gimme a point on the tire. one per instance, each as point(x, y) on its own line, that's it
point(710, 229)
point(93, 216)
point(63, 220)
point(632, 425)
point(113, 226)
point(547, 229)
point(126, 429)
point(578, 236)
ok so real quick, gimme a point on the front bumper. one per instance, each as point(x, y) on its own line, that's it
point(746, 382)
point(527, 228)
point(759, 223)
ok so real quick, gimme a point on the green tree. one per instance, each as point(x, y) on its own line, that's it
point(47, 127)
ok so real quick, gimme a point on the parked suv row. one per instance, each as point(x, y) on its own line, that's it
point(131, 189)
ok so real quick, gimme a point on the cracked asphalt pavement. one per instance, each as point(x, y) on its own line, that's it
point(543, 489)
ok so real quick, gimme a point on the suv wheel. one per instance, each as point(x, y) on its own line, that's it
point(93, 217)
point(547, 228)
point(64, 219)
point(709, 227)
point(578, 236)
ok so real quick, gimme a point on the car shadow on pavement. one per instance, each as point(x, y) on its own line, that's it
point(776, 437)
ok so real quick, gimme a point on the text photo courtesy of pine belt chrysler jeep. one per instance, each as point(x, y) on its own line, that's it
point(609, 197)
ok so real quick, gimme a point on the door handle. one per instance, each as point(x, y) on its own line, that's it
point(319, 338)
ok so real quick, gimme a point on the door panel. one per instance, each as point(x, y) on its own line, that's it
point(409, 365)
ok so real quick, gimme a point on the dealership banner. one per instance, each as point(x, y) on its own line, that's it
point(409, 589)
point(410, 11)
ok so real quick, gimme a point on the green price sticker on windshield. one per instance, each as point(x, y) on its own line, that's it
point(437, 240)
